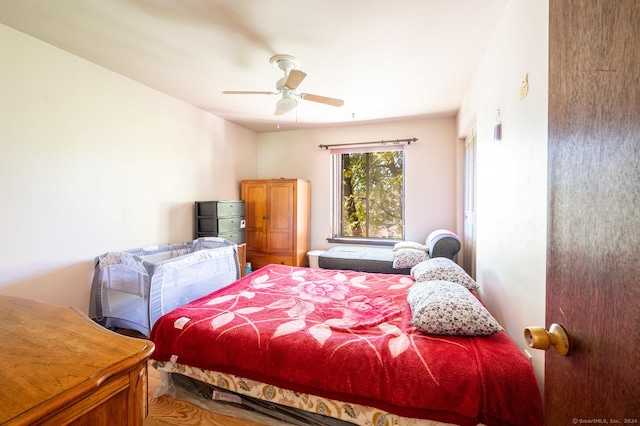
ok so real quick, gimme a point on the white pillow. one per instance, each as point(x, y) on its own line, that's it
point(442, 268)
point(408, 258)
point(410, 245)
point(442, 307)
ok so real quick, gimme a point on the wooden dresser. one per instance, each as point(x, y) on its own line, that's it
point(278, 216)
point(59, 367)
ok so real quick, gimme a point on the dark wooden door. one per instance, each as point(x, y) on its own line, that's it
point(593, 257)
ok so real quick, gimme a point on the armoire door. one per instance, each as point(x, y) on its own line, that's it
point(254, 195)
point(280, 213)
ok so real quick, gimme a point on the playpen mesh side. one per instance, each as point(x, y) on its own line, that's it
point(133, 289)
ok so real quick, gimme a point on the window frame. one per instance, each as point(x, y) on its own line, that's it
point(336, 197)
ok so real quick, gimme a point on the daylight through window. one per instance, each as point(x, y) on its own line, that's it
point(368, 200)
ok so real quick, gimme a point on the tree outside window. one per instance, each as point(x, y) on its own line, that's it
point(370, 198)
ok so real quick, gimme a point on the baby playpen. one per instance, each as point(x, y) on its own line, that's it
point(132, 289)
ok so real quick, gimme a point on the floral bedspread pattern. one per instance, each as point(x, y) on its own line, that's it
point(347, 336)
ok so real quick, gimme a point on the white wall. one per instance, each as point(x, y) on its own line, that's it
point(93, 162)
point(512, 173)
point(430, 169)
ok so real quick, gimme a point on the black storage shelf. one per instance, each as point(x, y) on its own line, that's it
point(224, 219)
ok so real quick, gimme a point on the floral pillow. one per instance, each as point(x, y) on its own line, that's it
point(408, 258)
point(442, 268)
point(446, 308)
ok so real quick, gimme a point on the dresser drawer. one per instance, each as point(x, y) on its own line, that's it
point(260, 260)
point(220, 208)
point(237, 236)
point(220, 225)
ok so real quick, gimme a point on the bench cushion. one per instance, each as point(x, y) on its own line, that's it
point(363, 259)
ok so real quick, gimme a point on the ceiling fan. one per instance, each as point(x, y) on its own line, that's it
point(287, 85)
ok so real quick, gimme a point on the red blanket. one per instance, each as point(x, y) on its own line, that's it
point(346, 335)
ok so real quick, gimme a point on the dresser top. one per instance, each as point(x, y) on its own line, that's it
point(50, 350)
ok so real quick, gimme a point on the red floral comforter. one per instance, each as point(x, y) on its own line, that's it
point(346, 335)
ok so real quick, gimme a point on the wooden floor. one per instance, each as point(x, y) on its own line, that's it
point(168, 411)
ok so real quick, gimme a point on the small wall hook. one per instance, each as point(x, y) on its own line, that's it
point(497, 129)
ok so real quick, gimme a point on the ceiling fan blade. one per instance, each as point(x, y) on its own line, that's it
point(322, 99)
point(244, 92)
point(294, 79)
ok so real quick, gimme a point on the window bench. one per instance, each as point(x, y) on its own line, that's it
point(441, 243)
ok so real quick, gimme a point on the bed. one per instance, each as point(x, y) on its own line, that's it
point(342, 344)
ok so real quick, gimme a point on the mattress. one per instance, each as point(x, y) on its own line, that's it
point(346, 336)
point(364, 259)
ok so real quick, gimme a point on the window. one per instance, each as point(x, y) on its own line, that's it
point(368, 194)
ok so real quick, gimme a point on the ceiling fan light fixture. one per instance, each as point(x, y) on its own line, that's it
point(286, 104)
point(286, 86)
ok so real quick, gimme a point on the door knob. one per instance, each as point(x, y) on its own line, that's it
point(539, 338)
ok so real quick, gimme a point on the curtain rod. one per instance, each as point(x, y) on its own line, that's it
point(382, 142)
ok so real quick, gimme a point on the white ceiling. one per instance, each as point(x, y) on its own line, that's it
point(388, 59)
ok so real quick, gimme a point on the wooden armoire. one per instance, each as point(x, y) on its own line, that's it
point(277, 214)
